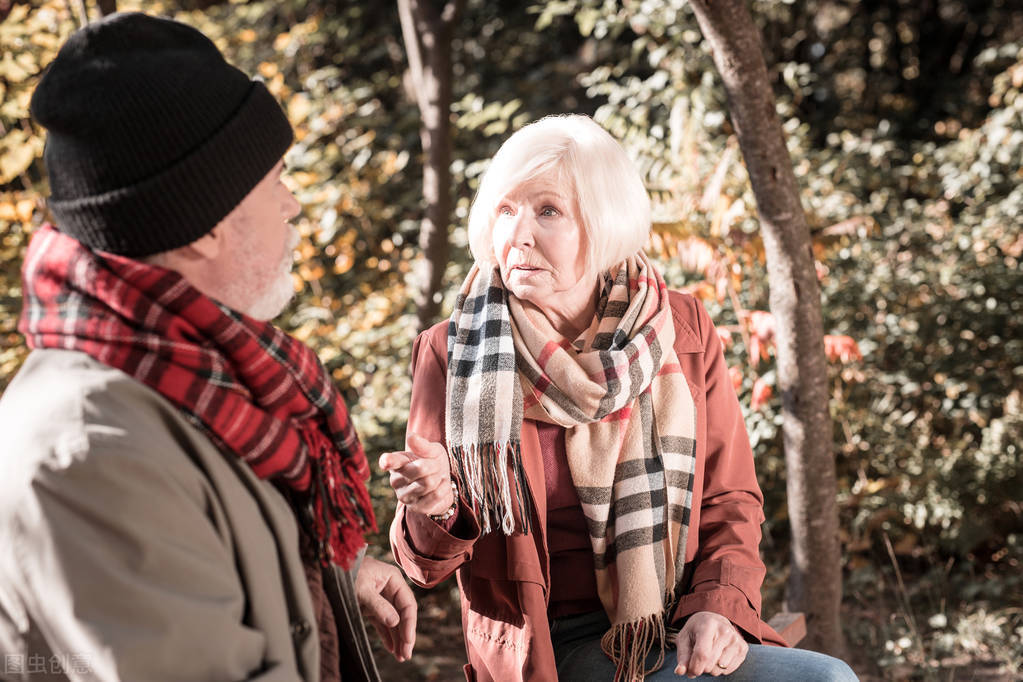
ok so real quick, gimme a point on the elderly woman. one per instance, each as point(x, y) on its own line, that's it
point(575, 448)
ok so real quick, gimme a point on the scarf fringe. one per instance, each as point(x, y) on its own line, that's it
point(627, 644)
point(341, 511)
point(481, 473)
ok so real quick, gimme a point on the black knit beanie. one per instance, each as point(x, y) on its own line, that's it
point(152, 137)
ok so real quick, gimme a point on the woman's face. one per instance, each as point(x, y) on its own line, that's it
point(539, 243)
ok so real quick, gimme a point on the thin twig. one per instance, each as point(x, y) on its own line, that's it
point(741, 314)
point(903, 594)
point(413, 49)
point(78, 7)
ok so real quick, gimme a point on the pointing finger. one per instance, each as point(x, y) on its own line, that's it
point(394, 460)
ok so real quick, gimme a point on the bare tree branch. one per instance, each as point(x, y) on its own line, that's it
point(413, 49)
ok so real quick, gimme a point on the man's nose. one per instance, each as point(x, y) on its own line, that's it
point(291, 207)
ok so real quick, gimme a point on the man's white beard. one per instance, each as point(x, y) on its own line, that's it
point(277, 294)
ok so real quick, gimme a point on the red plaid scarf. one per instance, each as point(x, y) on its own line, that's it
point(254, 390)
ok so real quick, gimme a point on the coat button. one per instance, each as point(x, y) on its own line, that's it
point(300, 628)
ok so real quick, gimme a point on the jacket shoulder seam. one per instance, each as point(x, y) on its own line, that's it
point(692, 341)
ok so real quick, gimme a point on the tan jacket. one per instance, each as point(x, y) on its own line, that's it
point(134, 549)
point(504, 580)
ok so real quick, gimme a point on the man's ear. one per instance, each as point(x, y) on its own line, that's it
point(209, 245)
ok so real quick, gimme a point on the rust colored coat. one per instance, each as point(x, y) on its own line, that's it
point(504, 580)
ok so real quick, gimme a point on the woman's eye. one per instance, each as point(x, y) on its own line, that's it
point(505, 210)
point(549, 211)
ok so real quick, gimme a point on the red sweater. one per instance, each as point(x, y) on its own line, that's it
point(573, 581)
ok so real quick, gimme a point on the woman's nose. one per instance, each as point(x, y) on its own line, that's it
point(522, 230)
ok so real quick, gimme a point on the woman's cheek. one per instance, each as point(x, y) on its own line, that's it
point(499, 239)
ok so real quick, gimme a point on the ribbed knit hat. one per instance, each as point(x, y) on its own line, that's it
point(152, 136)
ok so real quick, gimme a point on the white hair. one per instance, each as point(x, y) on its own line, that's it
point(610, 197)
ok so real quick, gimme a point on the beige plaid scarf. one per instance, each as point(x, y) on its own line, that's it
point(631, 425)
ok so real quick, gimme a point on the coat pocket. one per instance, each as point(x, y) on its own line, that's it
point(501, 647)
point(495, 600)
point(500, 557)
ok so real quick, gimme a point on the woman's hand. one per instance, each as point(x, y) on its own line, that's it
point(709, 645)
point(421, 476)
point(388, 603)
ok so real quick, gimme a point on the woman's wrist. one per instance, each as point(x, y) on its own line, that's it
point(447, 514)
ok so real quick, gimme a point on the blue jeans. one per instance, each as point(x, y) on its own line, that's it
point(580, 659)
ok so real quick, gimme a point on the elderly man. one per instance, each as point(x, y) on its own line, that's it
point(182, 495)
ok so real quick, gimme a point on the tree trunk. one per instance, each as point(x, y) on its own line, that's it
point(106, 7)
point(427, 34)
point(815, 584)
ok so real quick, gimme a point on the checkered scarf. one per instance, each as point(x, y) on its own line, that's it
point(254, 390)
point(631, 425)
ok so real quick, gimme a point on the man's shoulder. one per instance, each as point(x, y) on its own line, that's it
point(62, 389)
point(65, 406)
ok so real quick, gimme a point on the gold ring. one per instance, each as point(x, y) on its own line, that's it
point(723, 667)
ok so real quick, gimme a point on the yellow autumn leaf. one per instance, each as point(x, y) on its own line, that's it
point(14, 162)
point(45, 39)
point(276, 86)
point(298, 108)
point(874, 486)
point(24, 209)
point(343, 263)
point(374, 318)
point(310, 273)
point(304, 178)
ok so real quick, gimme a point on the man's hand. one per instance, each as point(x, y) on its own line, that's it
point(709, 645)
point(421, 476)
point(387, 601)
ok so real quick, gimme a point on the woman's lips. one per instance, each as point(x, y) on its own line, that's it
point(525, 270)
